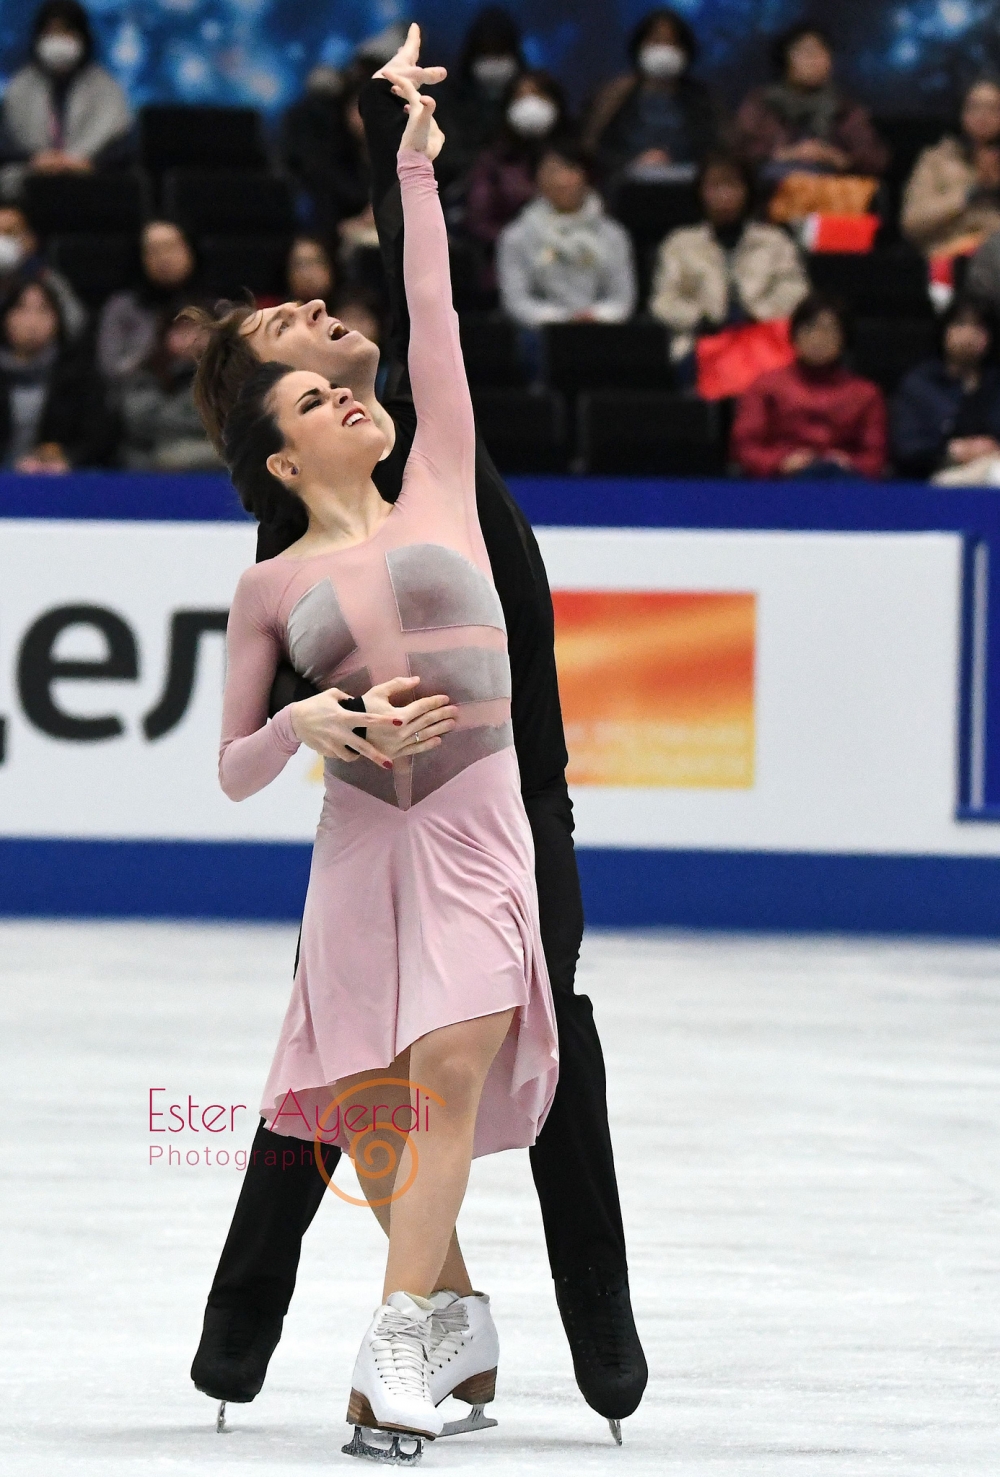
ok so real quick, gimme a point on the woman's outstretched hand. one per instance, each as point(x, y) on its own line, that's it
point(421, 724)
point(421, 134)
point(406, 63)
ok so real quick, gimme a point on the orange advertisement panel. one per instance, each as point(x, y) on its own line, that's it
point(657, 688)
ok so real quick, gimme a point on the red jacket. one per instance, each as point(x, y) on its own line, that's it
point(823, 410)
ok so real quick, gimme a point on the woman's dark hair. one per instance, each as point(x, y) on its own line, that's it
point(686, 39)
point(250, 436)
point(15, 293)
point(492, 33)
point(72, 16)
point(814, 306)
point(784, 43)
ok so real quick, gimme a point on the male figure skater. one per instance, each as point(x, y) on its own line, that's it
point(572, 1162)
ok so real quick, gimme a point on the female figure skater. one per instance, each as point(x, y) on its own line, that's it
point(421, 959)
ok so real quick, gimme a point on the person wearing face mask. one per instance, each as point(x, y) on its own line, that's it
point(502, 179)
point(131, 322)
point(656, 122)
point(802, 122)
point(62, 112)
point(472, 102)
point(20, 256)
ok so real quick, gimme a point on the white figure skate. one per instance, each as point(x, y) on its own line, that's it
point(464, 1353)
point(391, 1406)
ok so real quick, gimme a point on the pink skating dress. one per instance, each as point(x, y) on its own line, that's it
point(421, 908)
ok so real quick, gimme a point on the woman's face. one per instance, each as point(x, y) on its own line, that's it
point(966, 340)
point(820, 343)
point(809, 63)
point(31, 324)
point(329, 437)
point(981, 113)
point(167, 259)
point(724, 195)
point(309, 272)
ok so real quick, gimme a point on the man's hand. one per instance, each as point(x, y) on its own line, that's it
point(325, 727)
point(406, 63)
point(422, 723)
point(421, 133)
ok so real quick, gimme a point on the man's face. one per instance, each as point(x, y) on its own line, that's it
point(306, 337)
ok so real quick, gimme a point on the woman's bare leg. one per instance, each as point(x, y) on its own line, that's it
point(452, 1063)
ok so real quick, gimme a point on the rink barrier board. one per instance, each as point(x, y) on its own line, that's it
point(745, 890)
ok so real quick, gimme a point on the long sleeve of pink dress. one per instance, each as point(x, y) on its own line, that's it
point(421, 908)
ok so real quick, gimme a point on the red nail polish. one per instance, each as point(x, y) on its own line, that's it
point(397, 723)
point(386, 764)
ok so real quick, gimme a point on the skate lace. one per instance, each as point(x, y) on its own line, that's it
point(399, 1348)
point(449, 1327)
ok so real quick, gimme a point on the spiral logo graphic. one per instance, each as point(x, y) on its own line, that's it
point(373, 1153)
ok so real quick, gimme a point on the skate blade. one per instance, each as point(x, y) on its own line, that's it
point(385, 1446)
point(474, 1421)
point(220, 1419)
point(616, 1431)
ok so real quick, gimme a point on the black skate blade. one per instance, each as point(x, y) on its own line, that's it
point(391, 1454)
point(474, 1421)
point(616, 1431)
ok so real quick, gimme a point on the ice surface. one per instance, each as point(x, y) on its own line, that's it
point(807, 1138)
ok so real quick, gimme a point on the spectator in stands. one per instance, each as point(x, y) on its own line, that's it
point(952, 200)
point(61, 112)
point(472, 102)
point(946, 412)
point(802, 122)
point(131, 322)
point(731, 269)
point(564, 259)
point(161, 430)
point(502, 178)
point(656, 121)
point(324, 151)
point(814, 418)
point(20, 256)
point(310, 272)
point(52, 410)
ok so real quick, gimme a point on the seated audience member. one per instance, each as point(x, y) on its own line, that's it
point(310, 271)
point(564, 259)
point(814, 418)
point(161, 429)
point(61, 112)
point(502, 179)
point(131, 321)
point(802, 122)
point(20, 256)
point(656, 117)
point(52, 410)
point(472, 101)
point(731, 269)
point(946, 412)
point(952, 199)
point(322, 151)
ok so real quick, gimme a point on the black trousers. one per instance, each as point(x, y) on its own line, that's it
point(572, 1162)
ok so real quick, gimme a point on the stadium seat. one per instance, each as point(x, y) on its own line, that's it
point(884, 284)
point(492, 353)
point(201, 138)
point(228, 204)
point(649, 433)
point(884, 349)
point(75, 203)
point(234, 265)
point(96, 265)
point(525, 430)
point(649, 211)
point(598, 356)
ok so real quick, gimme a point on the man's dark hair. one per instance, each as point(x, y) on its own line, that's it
point(784, 43)
point(224, 365)
point(73, 17)
point(686, 39)
point(814, 306)
point(251, 435)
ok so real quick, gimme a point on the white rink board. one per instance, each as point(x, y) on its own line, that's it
point(857, 681)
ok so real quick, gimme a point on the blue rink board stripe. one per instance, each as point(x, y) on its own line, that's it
point(798, 891)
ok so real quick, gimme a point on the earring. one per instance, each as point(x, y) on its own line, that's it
point(295, 471)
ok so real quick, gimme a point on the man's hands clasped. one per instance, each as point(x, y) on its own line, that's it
point(400, 730)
